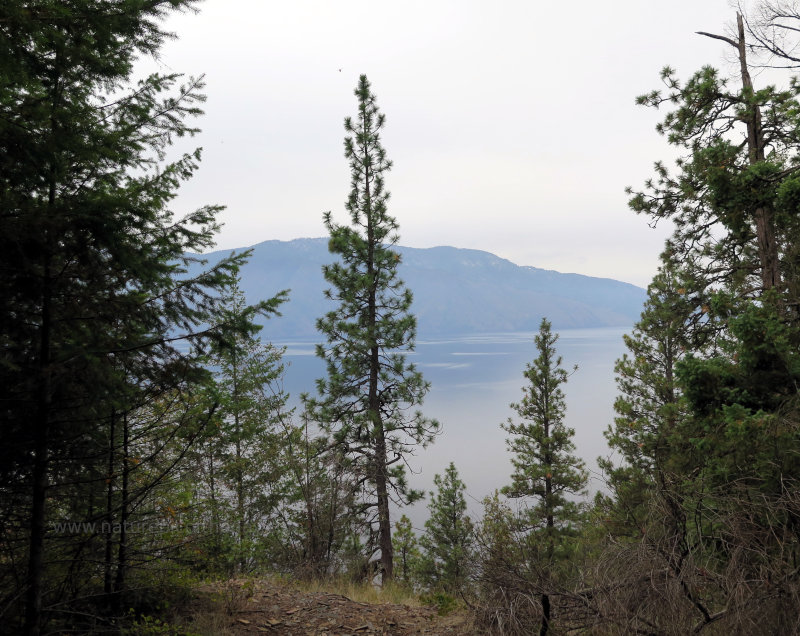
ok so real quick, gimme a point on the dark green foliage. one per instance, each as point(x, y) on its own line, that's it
point(650, 407)
point(238, 466)
point(744, 405)
point(448, 554)
point(728, 199)
point(366, 399)
point(406, 552)
point(545, 467)
point(708, 417)
point(94, 296)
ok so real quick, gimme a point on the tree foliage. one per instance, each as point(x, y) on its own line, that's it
point(238, 461)
point(100, 320)
point(708, 418)
point(447, 544)
point(366, 400)
point(545, 466)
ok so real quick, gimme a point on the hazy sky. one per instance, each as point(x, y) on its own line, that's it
point(512, 125)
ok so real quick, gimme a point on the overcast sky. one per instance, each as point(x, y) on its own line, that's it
point(511, 124)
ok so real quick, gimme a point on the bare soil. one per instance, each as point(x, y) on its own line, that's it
point(268, 608)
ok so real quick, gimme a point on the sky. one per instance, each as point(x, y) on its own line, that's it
point(512, 125)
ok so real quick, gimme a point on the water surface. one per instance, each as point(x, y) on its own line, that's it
point(473, 380)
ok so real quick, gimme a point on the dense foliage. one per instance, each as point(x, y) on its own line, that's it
point(103, 333)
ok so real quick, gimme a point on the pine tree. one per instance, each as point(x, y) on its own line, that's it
point(646, 432)
point(711, 399)
point(448, 542)
point(545, 467)
point(406, 551)
point(733, 195)
point(366, 399)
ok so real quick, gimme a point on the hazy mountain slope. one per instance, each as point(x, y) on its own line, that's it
point(456, 291)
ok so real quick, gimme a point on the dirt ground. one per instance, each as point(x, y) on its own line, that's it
point(269, 608)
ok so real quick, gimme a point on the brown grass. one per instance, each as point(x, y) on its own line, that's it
point(360, 592)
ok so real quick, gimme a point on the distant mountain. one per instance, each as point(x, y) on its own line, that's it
point(456, 291)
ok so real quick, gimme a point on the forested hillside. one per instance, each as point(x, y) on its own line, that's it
point(150, 465)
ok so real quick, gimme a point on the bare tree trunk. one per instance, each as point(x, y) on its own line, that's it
point(107, 582)
point(41, 451)
point(545, 615)
point(384, 522)
point(764, 215)
point(122, 555)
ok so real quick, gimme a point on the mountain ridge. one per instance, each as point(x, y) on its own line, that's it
point(456, 290)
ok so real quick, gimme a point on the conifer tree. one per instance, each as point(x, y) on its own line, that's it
point(367, 400)
point(545, 467)
point(448, 542)
point(91, 307)
point(733, 196)
point(646, 432)
point(323, 503)
point(242, 448)
point(406, 551)
point(712, 423)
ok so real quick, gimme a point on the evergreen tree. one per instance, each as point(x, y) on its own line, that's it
point(713, 423)
point(93, 285)
point(733, 196)
point(366, 399)
point(645, 432)
point(545, 467)
point(241, 453)
point(448, 542)
point(406, 551)
point(325, 504)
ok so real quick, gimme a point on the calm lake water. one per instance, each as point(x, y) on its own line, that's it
point(473, 380)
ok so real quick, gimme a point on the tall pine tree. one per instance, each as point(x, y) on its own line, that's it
point(713, 420)
point(366, 400)
point(545, 467)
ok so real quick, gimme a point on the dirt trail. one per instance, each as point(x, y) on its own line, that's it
point(277, 609)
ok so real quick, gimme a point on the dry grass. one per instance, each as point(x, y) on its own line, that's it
point(230, 608)
point(360, 592)
point(209, 623)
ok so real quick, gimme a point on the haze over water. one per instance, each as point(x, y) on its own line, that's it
point(473, 380)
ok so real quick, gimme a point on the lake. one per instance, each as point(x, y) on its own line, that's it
point(473, 380)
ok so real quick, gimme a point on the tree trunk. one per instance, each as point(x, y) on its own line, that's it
point(239, 468)
point(379, 439)
point(109, 519)
point(33, 608)
point(545, 615)
point(384, 522)
point(764, 216)
point(548, 506)
point(41, 450)
point(122, 555)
